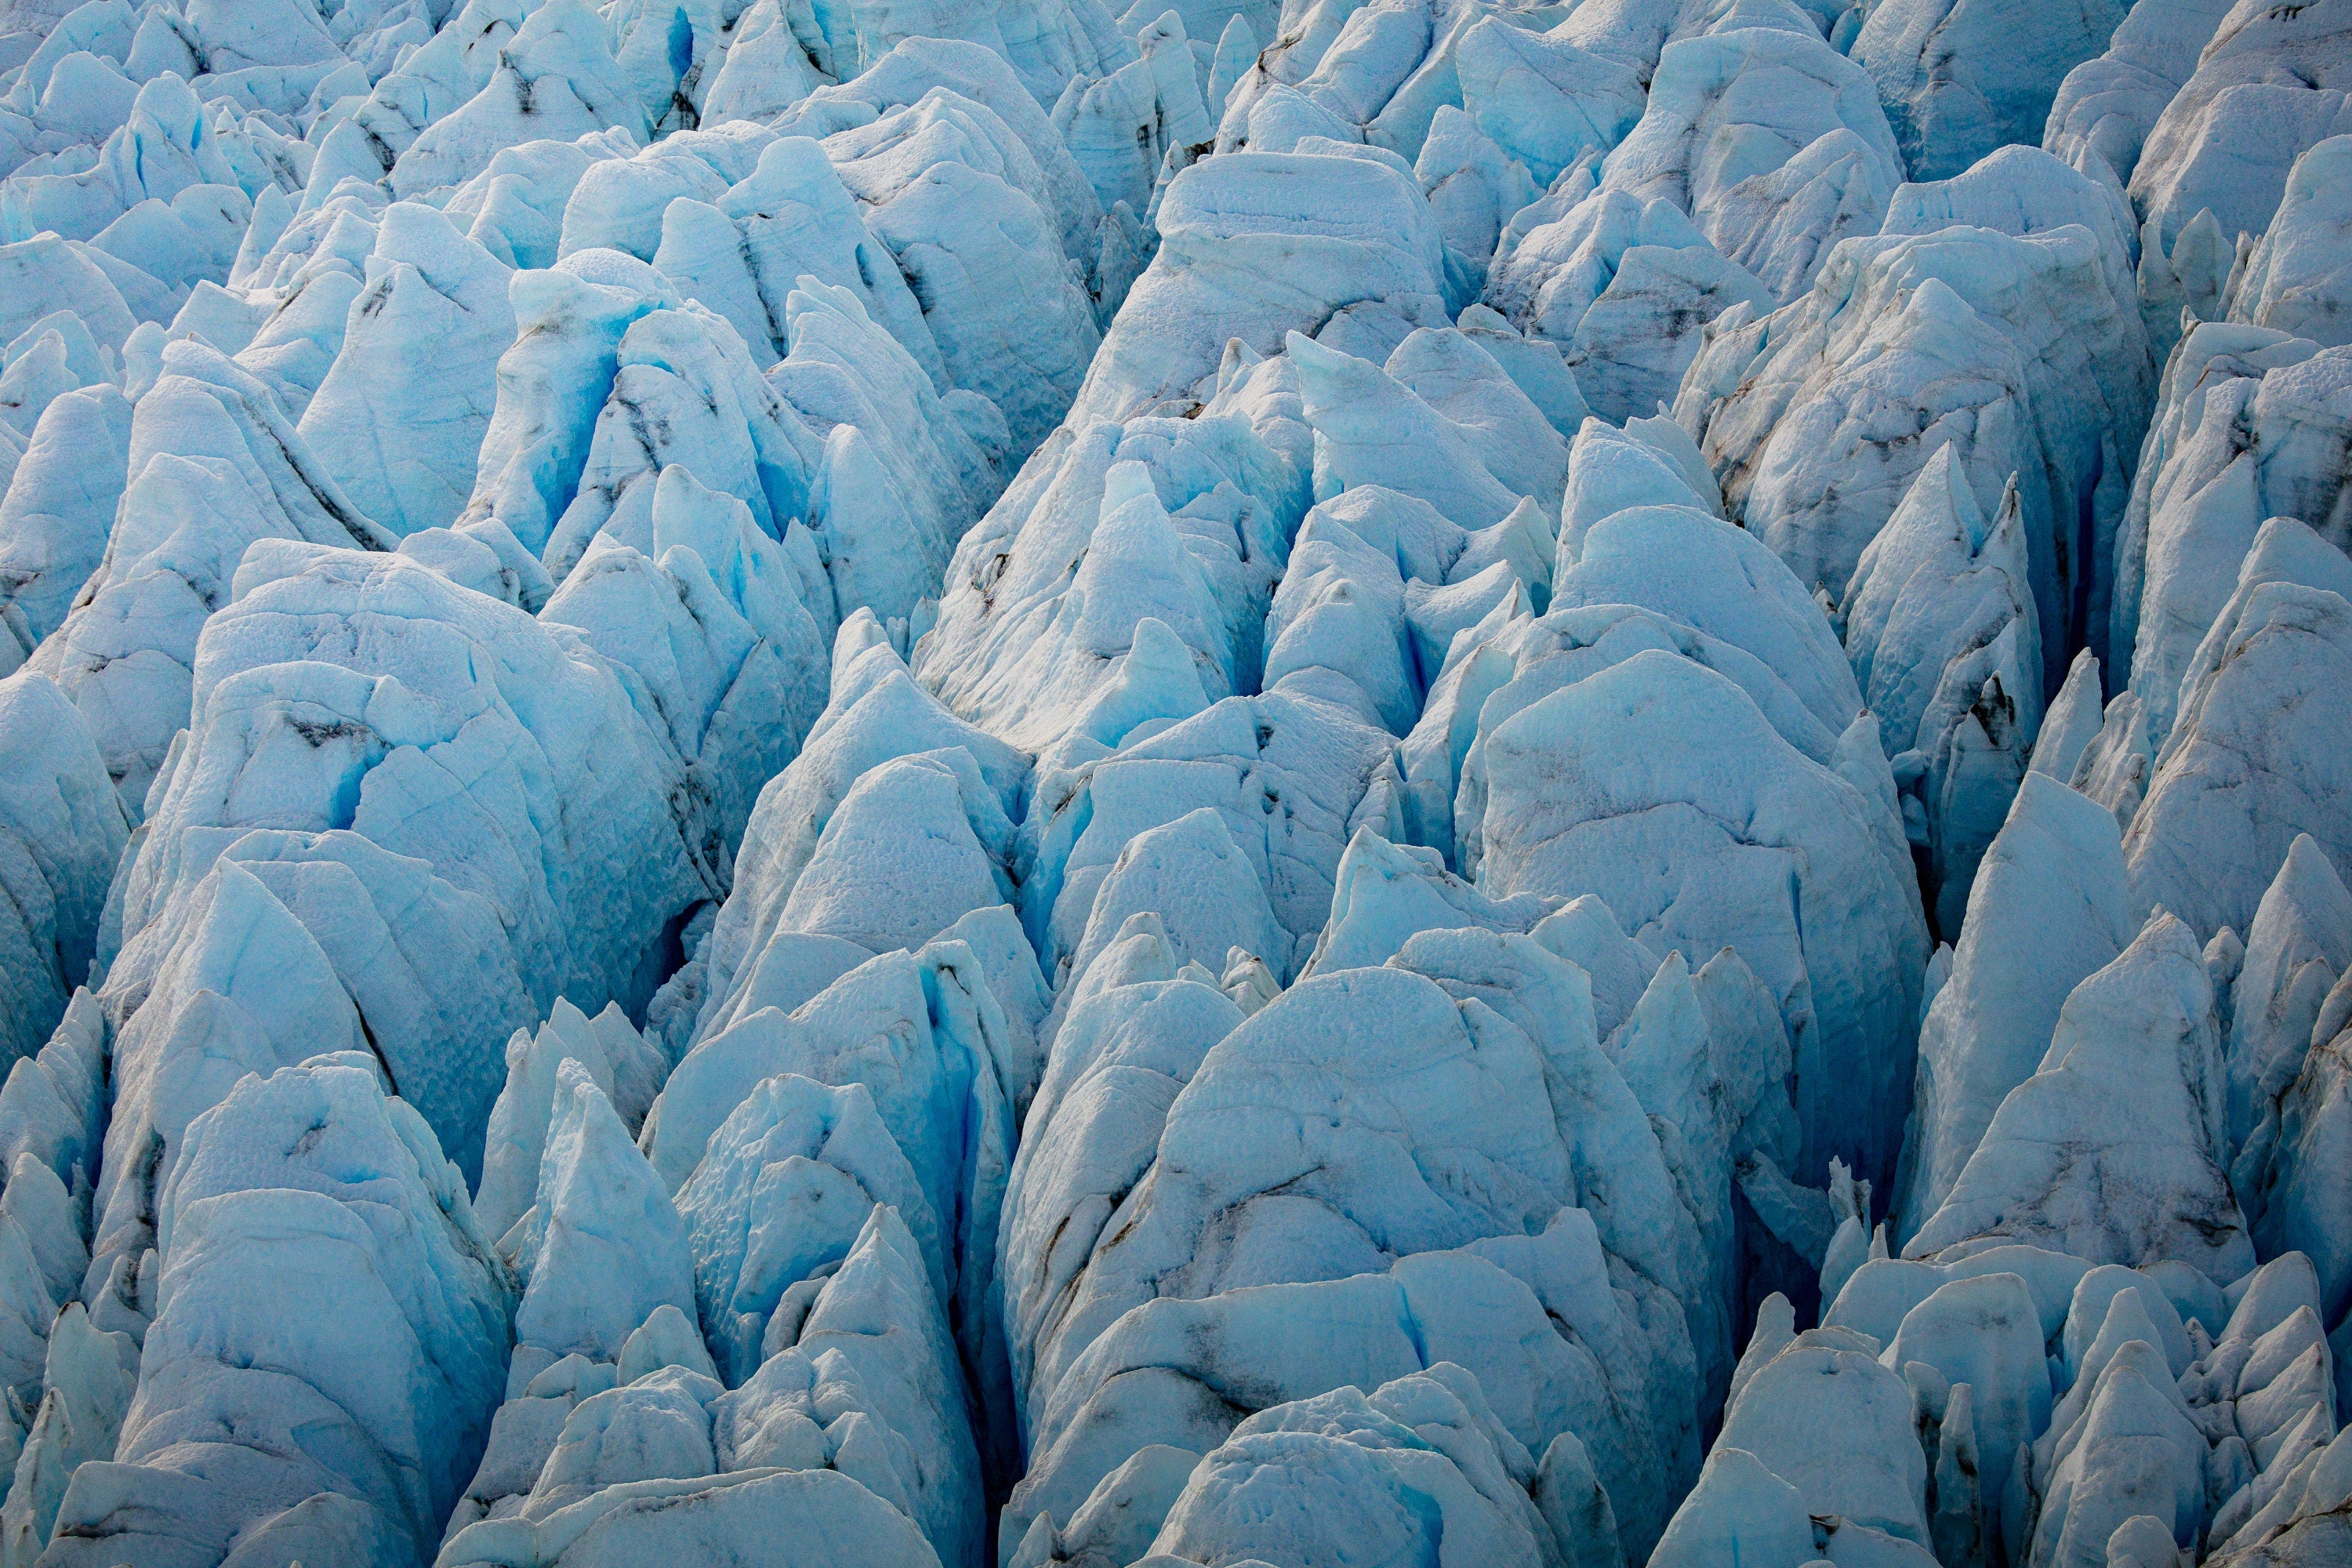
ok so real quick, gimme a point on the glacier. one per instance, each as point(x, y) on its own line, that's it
point(1220, 784)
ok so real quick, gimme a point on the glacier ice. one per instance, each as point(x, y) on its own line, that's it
point(2049, 905)
point(59, 514)
point(2148, 1015)
point(1935, 317)
point(1424, 1439)
point(410, 392)
point(1255, 245)
point(1771, 140)
point(392, 1367)
point(1243, 783)
point(2193, 516)
point(2017, 55)
point(1941, 628)
point(1622, 284)
point(2284, 635)
point(64, 831)
point(2109, 103)
point(1808, 857)
point(2295, 280)
point(2203, 152)
point(213, 465)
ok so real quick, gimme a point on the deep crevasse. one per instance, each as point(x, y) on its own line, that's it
point(1382, 782)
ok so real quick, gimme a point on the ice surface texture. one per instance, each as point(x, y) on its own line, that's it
point(1228, 784)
